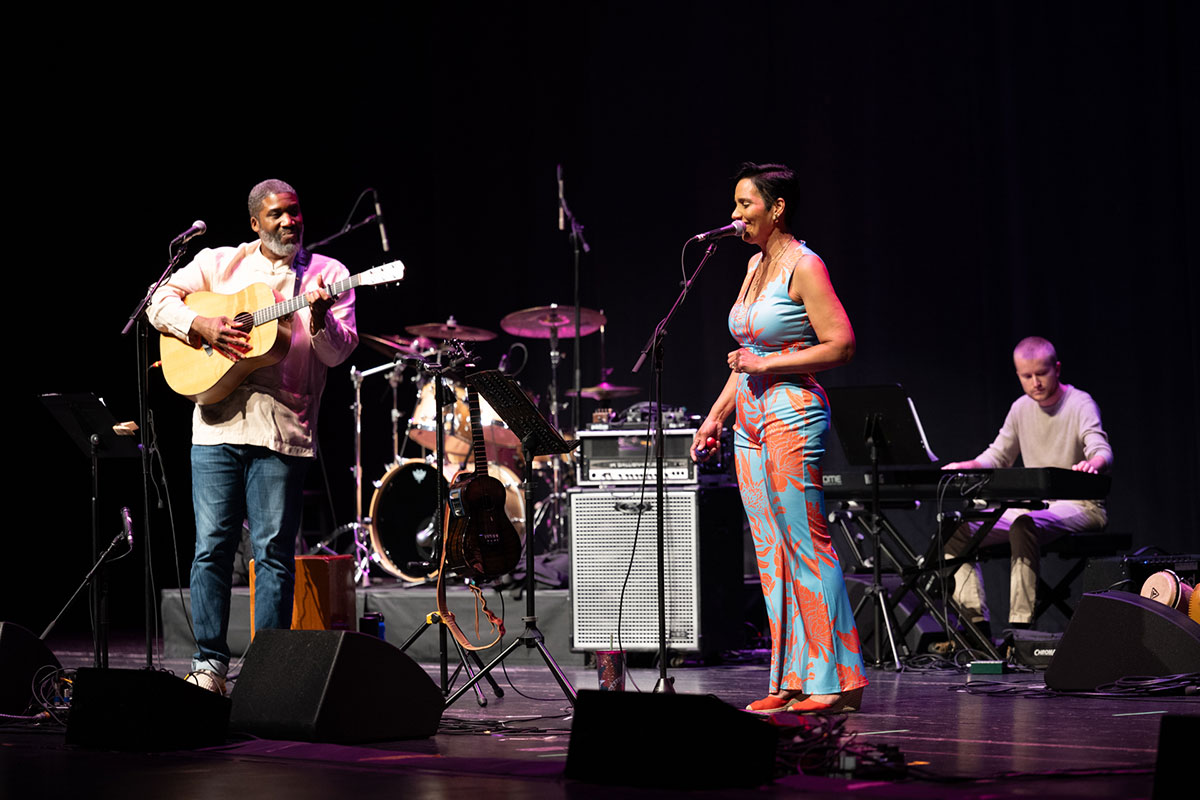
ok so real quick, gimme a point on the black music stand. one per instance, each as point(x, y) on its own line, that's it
point(98, 435)
point(879, 425)
point(538, 438)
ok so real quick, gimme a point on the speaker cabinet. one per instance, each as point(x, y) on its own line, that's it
point(333, 686)
point(1115, 635)
point(22, 655)
point(675, 741)
point(143, 711)
point(703, 568)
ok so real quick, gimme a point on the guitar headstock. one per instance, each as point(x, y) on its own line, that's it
point(385, 273)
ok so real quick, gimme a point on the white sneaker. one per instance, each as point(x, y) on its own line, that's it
point(207, 679)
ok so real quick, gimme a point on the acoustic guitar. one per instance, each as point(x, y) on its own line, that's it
point(481, 541)
point(201, 373)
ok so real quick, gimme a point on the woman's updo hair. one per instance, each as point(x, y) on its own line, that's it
point(774, 181)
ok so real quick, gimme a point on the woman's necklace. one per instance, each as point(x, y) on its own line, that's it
point(766, 264)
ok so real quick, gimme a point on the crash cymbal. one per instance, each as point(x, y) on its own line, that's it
point(540, 321)
point(390, 345)
point(605, 390)
point(450, 329)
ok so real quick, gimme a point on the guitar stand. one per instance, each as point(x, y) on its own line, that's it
point(443, 397)
point(537, 438)
point(465, 657)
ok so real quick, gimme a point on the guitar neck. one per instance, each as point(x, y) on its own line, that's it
point(477, 434)
point(264, 315)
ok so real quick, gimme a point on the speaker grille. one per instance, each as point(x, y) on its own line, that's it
point(603, 525)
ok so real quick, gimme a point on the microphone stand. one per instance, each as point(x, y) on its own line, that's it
point(577, 242)
point(664, 685)
point(148, 444)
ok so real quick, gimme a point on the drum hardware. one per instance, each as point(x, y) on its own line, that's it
point(604, 390)
point(451, 330)
point(554, 322)
point(362, 551)
point(390, 345)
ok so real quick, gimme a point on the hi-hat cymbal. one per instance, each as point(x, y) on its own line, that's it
point(390, 345)
point(540, 321)
point(450, 329)
point(604, 390)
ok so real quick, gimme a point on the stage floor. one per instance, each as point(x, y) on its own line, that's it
point(956, 743)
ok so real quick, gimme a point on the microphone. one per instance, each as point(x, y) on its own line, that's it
point(561, 222)
point(198, 229)
point(379, 218)
point(735, 228)
point(127, 524)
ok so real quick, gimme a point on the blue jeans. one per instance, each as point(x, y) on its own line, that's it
point(232, 483)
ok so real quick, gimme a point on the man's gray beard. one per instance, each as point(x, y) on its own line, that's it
point(274, 243)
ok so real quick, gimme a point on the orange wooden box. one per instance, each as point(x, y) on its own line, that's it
point(324, 599)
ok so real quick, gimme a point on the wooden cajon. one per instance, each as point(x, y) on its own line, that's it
point(324, 598)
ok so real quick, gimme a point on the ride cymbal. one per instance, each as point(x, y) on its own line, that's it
point(540, 322)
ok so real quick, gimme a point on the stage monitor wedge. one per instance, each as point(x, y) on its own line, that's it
point(1116, 635)
point(333, 686)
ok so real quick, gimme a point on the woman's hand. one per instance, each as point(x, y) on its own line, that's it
point(742, 360)
point(710, 430)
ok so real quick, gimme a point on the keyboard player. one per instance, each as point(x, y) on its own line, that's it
point(1052, 425)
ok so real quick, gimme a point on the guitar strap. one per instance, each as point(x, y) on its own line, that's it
point(480, 605)
point(300, 265)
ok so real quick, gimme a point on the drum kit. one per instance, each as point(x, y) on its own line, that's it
point(397, 533)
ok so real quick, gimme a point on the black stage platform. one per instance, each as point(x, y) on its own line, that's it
point(1009, 741)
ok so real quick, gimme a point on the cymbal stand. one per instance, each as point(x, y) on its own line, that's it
point(557, 523)
point(577, 243)
point(362, 549)
point(395, 378)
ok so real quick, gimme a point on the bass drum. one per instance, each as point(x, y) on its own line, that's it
point(402, 515)
point(402, 518)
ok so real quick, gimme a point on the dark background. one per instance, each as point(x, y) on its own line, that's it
point(974, 173)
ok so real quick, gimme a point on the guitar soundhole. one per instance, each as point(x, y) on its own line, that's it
point(244, 321)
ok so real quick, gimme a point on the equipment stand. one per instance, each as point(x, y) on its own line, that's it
point(879, 425)
point(537, 438)
point(91, 426)
point(442, 397)
point(655, 348)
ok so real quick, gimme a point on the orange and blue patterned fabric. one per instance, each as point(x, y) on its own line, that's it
point(782, 421)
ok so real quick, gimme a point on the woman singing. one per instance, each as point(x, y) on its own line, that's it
point(789, 324)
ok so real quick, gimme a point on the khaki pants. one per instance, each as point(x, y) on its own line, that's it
point(1025, 531)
